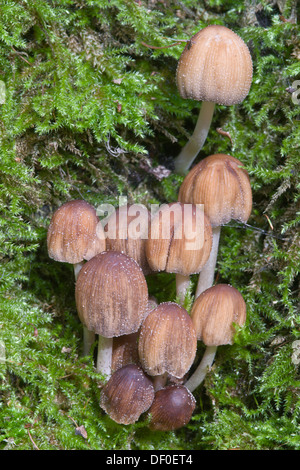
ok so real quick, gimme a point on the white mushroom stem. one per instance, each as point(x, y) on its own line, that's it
point(206, 276)
point(104, 356)
point(205, 365)
point(88, 336)
point(182, 286)
point(191, 149)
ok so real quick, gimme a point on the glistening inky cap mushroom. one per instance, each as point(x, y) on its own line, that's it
point(215, 312)
point(74, 233)
point(127, 394)
point(221, 183)
point(167, 342)
point(215, 66)
point(111, 294)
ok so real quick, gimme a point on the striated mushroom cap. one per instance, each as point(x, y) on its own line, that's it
point(74, 233)
point(167, 341)
point(215, 311)
point(172, 408)
point(111, 294)
point(127, 231)
point(222, 185)
point(180, 240)
point(127, 394)
point(215, 66)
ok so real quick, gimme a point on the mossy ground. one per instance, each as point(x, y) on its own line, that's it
point(90, 112)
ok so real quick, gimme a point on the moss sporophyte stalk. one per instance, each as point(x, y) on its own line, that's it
point(95, 106)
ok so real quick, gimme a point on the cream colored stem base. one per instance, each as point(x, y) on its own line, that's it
point(104, 356)
point(206, 276)
point(196, 141)
point(182, 286)
point(205, 365)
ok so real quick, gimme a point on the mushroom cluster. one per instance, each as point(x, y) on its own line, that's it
point(146, 350)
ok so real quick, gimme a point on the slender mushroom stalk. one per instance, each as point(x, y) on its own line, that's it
point(191, 149)
point(74, 236)
point(112, 297)
point(216, 68)
point(213, 314)
point(222, 185)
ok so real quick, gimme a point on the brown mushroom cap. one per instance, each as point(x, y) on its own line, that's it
point(74, 233)
point(127, 394)
point(215, 311)
point(222, 185)
point(111, 294)
point(180, 240)
point(172, 408)
point(167, 342)
point(127, 231)
point(215, 66)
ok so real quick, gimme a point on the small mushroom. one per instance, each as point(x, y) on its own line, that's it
point(214, 314)
point(126, 231)
point(167, 342)
point(111, 296)
point(74, 236)
point(215, 68)
point(221, 183)
point(172, 408)
point(127, 394)
point(179, 242)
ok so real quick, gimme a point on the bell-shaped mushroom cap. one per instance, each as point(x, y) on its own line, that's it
point(75, 233)
point(215, 312)
point(215, 66)
point(126, 231)
point(222, 185)
point(172, 408)
point(127, 394)
point(111, 294)
point(180, 239)
point(167, 342)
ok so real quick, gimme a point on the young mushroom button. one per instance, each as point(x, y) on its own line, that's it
point(215, 68)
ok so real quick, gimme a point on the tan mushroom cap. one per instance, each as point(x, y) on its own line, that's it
point(75, 233)
point(111, 294)
point(167, 342)
point(215, 311)
point(215, 66)
point(180, 240)
point(222, 185)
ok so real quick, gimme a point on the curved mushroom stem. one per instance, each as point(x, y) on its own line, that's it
point(88, 336)
point(206, 279)
point(206, 276)
point(191, 149)
point(182, 286)
point(104, 356)
point(205, 365)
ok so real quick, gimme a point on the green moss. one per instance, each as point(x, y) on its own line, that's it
point(89, 111)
